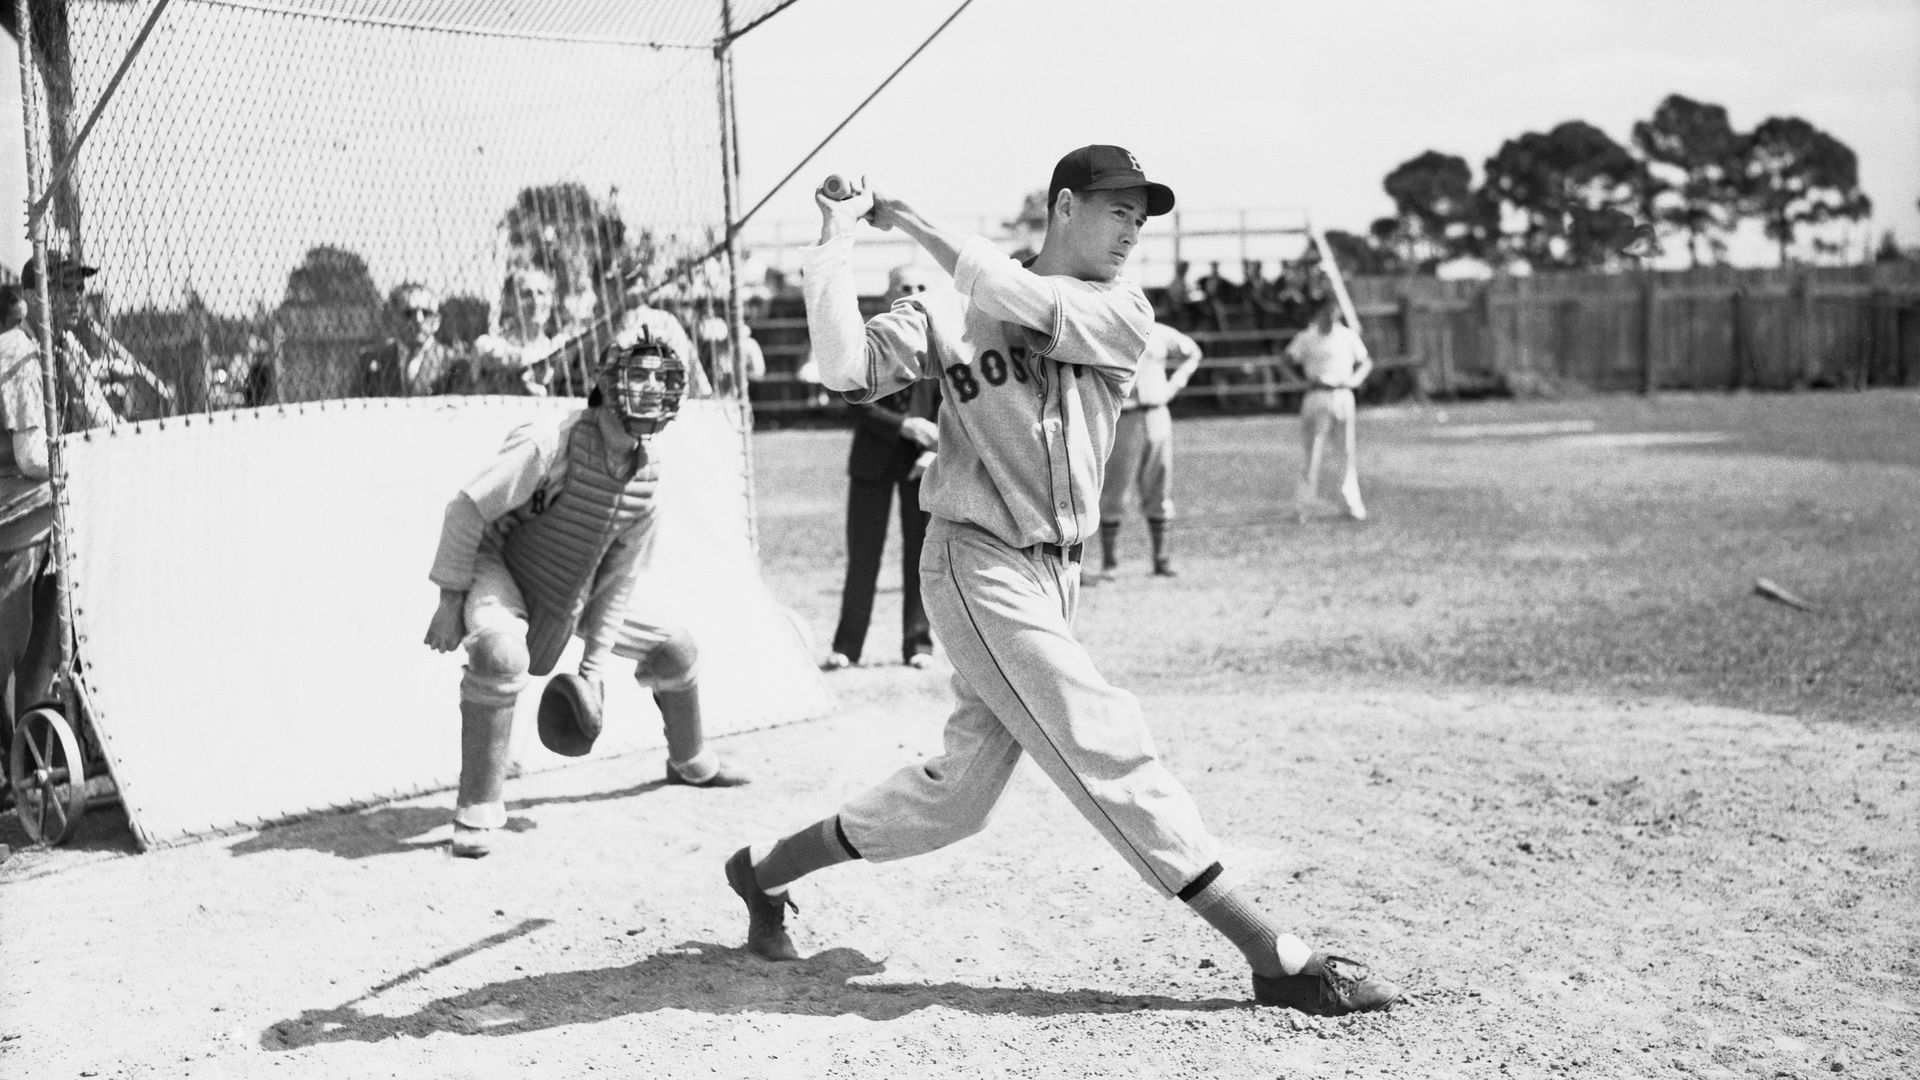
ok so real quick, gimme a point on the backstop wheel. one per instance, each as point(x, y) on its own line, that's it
point(48, 776)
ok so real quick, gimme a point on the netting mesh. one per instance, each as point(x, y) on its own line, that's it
point(266, 178)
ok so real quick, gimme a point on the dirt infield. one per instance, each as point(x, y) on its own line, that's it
point(1588, 851)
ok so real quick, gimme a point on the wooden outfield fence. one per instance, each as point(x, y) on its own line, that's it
point(1714, 329)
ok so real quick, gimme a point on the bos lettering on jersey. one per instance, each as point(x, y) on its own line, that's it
point(990, 369)
point(1035, 368)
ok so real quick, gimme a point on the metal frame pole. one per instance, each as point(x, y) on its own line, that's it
point(736, 320)
point(38, 185)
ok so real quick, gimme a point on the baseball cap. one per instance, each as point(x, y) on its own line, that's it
point(62, 267)
point(1107, 168)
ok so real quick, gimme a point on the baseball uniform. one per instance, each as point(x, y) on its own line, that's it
point(543, 544)
point(1033, 372)
point(1143, 443)
point(1333, 361)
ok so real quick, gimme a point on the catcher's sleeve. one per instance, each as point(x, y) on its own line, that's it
point(460, 532)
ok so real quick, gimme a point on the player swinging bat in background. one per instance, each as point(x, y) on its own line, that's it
point(545, 543)
point(1034, 361)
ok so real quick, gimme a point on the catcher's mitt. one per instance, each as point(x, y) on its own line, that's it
point(569, 715)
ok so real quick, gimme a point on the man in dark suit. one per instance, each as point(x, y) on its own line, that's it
point(413, 362)
point(894, 439)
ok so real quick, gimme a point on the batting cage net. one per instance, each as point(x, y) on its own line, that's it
point(306, 262)
point(265, 182)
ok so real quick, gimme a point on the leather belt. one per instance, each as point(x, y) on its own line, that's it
point(1071, 554)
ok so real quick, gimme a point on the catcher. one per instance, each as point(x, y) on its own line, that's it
point(545, 543)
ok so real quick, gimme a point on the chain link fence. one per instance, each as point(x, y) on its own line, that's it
point(313, 199)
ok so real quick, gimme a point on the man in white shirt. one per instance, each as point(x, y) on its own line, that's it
point(1335, 362)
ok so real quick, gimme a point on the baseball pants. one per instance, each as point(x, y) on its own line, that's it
point(1325, 413)
point(868, 504)
point(494, 602)
point(1143, 457)
point(1024, 686)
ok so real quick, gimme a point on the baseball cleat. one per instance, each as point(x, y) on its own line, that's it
point(920, 661)
point(1164, 568)
point(472, 843)
point(722, 777)
point(1327, 986)
point(836, 661)
point(766, 913)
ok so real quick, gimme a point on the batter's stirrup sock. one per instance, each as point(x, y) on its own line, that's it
point(1109, 535)
point(1268, 951)
point(815, 847)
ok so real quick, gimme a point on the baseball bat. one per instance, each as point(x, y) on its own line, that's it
point(837, 187)
point(1339, 283)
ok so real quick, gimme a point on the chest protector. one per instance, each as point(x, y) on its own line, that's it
point(555, 557)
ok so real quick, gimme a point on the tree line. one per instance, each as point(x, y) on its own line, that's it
point(1573, 197)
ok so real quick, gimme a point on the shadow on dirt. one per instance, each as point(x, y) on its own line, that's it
point(396, 830)
point(703, 977)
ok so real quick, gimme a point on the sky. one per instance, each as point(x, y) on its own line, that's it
point(1270, 108)
point(1264, 105)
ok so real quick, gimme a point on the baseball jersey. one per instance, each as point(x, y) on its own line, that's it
point(1165, 346)
point(1033, 369)
point(1329, 359)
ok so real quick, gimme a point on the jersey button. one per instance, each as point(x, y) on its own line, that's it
point(1063, 506)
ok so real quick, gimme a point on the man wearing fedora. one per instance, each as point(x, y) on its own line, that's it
point(94, 380)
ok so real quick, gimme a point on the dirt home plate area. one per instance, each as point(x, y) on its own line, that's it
point(1528, 740)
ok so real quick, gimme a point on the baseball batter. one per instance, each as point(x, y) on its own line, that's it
point(1335, 362)
point(1034, 362)
point(545, 543)
point(1143, 447)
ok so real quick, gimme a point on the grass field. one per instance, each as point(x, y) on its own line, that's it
point(1527, 740)
point(1507, 547)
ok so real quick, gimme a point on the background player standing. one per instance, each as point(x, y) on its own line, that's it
point(1143, 448)
point(1335, 362)
point(891, 438)
point(1036, 362)
point(545, 543)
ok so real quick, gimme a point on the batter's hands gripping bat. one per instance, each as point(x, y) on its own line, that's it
point(842, 189)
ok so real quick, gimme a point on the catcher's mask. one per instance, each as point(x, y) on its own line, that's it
point(641, 379)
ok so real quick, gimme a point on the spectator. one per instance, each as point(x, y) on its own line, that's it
point(13, 307)
point(1216, 293)
point(1334, 362)
point(1296, 301)
point(518, 358)
point(716, 355)
point(413, 362)
point(91, 380)
point(894, 440)
point(1189, 298)
point(1143, 448)
point(29, 638)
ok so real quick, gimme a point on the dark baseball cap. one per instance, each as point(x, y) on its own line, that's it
point(1107, 168)
point(62, 268)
